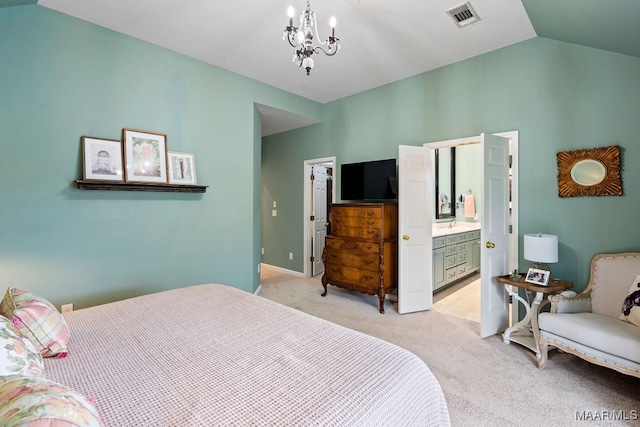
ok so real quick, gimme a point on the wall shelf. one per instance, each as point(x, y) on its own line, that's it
point(139, 186)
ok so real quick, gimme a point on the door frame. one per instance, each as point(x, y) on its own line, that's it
point(513, 137)
point(306, 211)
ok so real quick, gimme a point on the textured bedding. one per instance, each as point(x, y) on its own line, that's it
point(212, 355)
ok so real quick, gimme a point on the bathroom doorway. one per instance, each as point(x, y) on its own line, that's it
point(462, 297)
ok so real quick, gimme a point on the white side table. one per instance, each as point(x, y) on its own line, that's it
point(526, 332)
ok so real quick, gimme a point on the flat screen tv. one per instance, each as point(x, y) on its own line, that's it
point(368, 181)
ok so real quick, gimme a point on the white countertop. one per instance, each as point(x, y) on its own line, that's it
point(442, 228)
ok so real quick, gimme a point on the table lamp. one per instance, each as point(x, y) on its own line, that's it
point(541, 249)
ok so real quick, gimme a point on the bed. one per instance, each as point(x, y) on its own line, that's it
point(214, 355)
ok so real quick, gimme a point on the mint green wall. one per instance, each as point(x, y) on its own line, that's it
point(558, 95)
point(63, 78)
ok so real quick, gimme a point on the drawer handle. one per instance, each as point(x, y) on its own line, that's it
point(368, 277)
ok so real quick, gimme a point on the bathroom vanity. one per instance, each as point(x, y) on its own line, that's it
point(456, 253)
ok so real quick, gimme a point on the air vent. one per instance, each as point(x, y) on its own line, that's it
point(463, 15)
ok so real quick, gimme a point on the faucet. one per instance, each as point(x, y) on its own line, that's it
point(452, 223)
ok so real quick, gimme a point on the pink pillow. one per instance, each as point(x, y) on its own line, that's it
point(38, 320)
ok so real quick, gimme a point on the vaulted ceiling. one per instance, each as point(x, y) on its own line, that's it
point(381, 41)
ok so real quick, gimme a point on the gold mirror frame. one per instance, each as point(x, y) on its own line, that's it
point(611, 185)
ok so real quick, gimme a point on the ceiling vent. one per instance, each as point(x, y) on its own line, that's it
point(463, 15)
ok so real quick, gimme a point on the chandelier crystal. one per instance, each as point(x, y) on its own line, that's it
point(301, 38)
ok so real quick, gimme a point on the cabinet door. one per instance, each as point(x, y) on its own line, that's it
point(475, 255)
point(438, 268)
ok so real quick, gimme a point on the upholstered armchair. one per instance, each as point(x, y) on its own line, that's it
point(588, 324)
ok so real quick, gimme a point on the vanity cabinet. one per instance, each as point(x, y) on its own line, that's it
point(455, 256)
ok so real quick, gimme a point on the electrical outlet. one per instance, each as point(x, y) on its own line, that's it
point(262, 251)
point(290, 255)
point(66, 308)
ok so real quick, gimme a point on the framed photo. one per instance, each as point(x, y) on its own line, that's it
point(101, 159)
point(182, 168)
point(538, 277)
point(145, 156)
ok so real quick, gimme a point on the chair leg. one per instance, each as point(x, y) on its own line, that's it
point(543, 348)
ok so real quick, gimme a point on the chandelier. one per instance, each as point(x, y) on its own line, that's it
point(301, 38)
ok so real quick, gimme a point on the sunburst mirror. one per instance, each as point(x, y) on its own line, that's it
point(589, 172)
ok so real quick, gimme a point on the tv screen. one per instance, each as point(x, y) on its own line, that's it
point(375, 180)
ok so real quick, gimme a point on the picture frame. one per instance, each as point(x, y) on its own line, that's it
point(181, 168)
point(145, 156)
point(101, 159)
point(538, 277)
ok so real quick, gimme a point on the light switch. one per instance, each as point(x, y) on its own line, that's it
point(274, 213)
point(274, 204)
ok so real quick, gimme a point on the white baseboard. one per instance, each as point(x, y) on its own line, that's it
point(257, 292)
point(282, 270)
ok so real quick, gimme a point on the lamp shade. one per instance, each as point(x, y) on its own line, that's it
point(541, 247)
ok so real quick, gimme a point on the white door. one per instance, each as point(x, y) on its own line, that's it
point(319, 219)
point(415, 288)
point(494, 237)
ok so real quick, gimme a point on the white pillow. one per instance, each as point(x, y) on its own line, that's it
point(631, 304)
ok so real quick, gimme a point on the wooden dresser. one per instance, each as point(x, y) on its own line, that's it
point(361, 254)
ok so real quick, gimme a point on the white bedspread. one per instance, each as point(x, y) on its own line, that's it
point(212, 355)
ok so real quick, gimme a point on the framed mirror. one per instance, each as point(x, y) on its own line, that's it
point(445, 182)
point(589, 172)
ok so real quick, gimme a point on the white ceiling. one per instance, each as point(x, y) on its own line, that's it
point(382, 40)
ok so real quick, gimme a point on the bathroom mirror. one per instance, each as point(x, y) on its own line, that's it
point(445, 182)
point(589, 172)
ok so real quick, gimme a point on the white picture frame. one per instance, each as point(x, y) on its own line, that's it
point(538, 277)
point(182, 168)
point(145, 156)
point(101, 159)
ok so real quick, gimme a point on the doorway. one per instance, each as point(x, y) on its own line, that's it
point(463, 298)
point(319, 194)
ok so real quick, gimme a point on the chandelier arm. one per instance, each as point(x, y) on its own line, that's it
point(319, 49)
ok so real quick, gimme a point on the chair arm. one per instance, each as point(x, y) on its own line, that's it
point(570, 302)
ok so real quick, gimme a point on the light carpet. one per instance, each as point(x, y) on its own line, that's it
point(485, 382)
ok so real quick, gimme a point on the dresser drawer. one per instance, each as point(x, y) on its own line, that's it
point(450, 250)
point(460, 237)
point(343, 212)
point(476, 234)
point(461, 247)
point(451, 239)
point(360, 232)
point(359, 277)
point(461, 258)
point(357, 221)
point(348, 258)
point(353, 245)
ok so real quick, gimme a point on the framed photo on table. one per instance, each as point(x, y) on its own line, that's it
point(101, 159)
point(145, 156)
point(182, 168)
point(538, 277)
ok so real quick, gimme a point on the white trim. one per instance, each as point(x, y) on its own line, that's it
point(306, 211)
point(281, 270)
point(514, 137)
point(257, 292)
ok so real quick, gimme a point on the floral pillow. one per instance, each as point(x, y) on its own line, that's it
point(631, 305)
point(38, 320)
point(40, 402)
point(18, 356)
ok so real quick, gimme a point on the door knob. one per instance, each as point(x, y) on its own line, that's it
point(405, 237)
point(490, 245)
